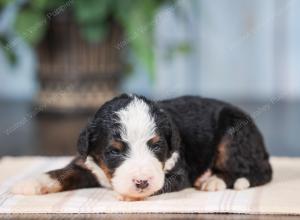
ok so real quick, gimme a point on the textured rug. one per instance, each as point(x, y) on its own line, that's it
point(282, 196)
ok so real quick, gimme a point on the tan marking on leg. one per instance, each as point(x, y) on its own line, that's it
point(222, 155)
point(198, 182)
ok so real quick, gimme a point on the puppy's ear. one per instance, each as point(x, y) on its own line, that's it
point(175, 139)
point(83, 144)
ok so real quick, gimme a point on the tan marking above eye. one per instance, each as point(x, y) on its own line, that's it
point(155, 139)
point(117, 144)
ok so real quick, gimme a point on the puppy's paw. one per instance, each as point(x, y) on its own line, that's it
point(201, 179)
point(42, 184)
point(241, 184)
point(213, 183)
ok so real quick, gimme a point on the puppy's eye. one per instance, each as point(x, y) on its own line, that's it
point(113, 151)
point(154, 143)
point(116, 147)
point(155, 147)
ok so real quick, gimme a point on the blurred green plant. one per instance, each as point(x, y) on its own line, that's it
point(136, 17)
point(9, 54)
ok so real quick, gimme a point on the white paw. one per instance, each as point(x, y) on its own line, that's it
point(42, 184)
point(213, 183)
point(241, 183)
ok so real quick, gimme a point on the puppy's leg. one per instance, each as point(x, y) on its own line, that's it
point(209, 182)
point(74, 176)
point(175, 180)
point(241, 160)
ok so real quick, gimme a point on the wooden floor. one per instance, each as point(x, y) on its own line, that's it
point(26, 131)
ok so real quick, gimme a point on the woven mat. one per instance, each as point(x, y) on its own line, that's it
point(282, 196)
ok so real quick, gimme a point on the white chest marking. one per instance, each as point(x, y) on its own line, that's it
point(98, 172)
point(171, 162)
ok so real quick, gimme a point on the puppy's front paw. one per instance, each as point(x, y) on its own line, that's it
point(42, 184)
point(213, 183)
point(241, 184)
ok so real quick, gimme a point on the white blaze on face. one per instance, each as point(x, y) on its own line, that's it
point(137, 128)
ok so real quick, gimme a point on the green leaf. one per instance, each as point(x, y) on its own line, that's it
point(94, 33)
point(91, 11)
point(122, 9)
point(31, 25)
point(91, 16)
point(145, 54)
point(50, 5)
point(10, 55)
point(39, 4)
point(139, 27)
point(5, 2)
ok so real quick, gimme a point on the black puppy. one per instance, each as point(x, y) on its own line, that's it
point(140, 148)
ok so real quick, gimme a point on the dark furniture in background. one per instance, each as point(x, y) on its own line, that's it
point(75, 75)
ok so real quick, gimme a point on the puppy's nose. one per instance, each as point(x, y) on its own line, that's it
point(141, 184)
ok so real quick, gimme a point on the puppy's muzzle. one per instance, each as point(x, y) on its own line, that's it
point(141, 184)
point(138, 179)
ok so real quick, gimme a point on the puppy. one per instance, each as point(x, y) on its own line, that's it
point(139, 148)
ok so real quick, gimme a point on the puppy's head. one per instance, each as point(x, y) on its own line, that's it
point(134, 142)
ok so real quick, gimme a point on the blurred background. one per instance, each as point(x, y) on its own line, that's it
point(61, 59)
